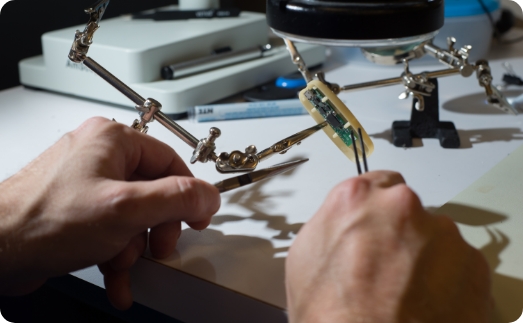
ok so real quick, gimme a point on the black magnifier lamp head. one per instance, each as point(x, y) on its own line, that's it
point(357, 23)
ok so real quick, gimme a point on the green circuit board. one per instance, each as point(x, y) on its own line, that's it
point(329, 112)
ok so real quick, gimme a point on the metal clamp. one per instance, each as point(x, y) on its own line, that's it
point(416, 85)
point(83, 40)
point(494, 96)
point(453, 58)
point(238, 161)
point(205, 149)
point(147, 112)
point(298, 60)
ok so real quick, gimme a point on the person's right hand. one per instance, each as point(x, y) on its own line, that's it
point(373, 254)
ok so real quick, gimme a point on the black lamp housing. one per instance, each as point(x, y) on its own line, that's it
point(358, 20)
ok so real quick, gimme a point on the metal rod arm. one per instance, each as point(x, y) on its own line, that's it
point(395, 80)
point(138, 100)
point(114, 81)
point(176, 129)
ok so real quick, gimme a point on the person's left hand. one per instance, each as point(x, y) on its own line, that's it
point(90, 199)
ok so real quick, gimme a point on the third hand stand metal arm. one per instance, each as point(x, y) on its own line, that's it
point(423, 87)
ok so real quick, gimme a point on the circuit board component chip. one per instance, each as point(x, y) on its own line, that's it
point(323, 105)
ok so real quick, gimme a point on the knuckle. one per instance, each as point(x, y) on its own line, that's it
point(350, 189)
point(448, 226)
point(95, 127)
point(482, 266)
point(191, 198)
point(405, 194)
point(390, 176)
point(407, 197)
point(406, 202)
point(119, 200)
point(346, 196)
point(91, 123)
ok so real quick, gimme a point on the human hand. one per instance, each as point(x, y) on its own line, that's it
point(89, 199)
point(373, 254)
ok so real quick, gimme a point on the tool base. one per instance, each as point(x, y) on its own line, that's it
point(425, 124)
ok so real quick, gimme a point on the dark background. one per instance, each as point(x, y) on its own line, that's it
point(22, 22)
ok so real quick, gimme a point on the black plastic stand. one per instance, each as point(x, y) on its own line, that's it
point(425, 124)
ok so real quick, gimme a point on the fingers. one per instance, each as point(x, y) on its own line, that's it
point(116, 272)
point(117, 286)
point(141, 154)
point(149, 204)
point(359, 189)
point(157, 159)
point(383, 179)
point(200, 225)
point(375, 196)
point(127, 257)
point(163, 239)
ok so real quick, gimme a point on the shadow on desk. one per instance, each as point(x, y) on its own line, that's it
point(256, 201)
point(240, 258)
point(478, 136)
point(477, 104)
point(507, 291)
point(468, 138)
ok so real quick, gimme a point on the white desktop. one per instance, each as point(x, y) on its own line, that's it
point(234, 270)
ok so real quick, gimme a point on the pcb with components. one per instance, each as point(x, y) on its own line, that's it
point(323, 105)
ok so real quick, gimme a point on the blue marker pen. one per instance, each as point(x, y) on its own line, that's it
point(261, 109)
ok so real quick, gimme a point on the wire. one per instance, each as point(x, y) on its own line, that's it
point(497, 34)
point(490, 18)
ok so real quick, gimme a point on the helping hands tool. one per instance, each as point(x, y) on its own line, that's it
point(418, 85)
point(204, 149)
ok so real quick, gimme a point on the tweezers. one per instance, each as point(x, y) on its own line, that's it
point(256, 176)
point(363, 155)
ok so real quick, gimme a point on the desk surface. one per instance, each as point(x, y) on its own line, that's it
point(234, 269)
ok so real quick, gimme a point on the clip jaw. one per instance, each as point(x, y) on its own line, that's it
point(83, 40)
point(494, 96)
point(238, 161)
point(282, 146)
point(453, 58)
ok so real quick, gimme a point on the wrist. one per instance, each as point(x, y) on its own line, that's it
point(332, 307)
point(15, 260)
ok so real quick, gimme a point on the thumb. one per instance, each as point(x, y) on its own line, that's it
point(173, 198)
